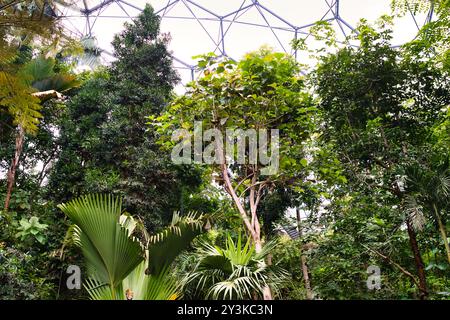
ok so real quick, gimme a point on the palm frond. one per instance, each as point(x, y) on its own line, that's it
point(111, 255)
point(233, 272)
point(116, 261)
point(234, 288)
point(128, 222)
point(443, 186)
point(151, 287)
point(163, 287)
point(415, 213)
point(237, 253)
point(165, 246)
point(38, 69)
point(99, 290)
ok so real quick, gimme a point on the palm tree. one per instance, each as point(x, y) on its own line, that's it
point(22, 94)
point(236, 271)
point(122, 259)
point(429, 190)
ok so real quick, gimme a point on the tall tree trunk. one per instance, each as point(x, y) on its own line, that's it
point(254, 201)
point(251, 223)
point(423, 291)
point(267, 293)
point(11, 176)
point(309, 293)
point(442, 231)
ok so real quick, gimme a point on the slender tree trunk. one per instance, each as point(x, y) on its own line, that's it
point(254, 201)
point(422, 284)
point(267, 293)
point(251, 223)
point(442, 231)
point(11, 176)
point(423, 291)
point(309, 293)
point(229, 189)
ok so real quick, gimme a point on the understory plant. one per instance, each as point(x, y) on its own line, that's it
point(232, 271)
point(122, 260)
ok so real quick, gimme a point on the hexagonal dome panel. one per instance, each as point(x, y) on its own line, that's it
point(231, 27)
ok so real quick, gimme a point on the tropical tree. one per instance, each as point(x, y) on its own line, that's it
point(376, 118)
point(263, 92)
point(112, 105)
point(22, 94)
point(122, 260)
point(429, 190)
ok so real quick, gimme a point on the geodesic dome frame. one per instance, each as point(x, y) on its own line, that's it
point(277, 22)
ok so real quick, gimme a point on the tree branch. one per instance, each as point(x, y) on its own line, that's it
point(403, 270)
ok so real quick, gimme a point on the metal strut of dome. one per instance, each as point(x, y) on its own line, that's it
point(201, 14)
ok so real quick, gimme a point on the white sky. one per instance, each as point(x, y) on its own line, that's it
point(189, 37)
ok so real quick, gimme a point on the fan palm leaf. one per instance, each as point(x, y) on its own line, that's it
point(141, 286)
point(233, 272)
point(111, 255)
point(39, 74)
point(117, 261)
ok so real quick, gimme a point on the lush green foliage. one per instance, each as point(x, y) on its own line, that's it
point(104, 143)
point(116, 261)
point(363, 162)
point(234, 271)
point(378, 123)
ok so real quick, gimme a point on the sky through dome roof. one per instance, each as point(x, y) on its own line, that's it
point(231, 27)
